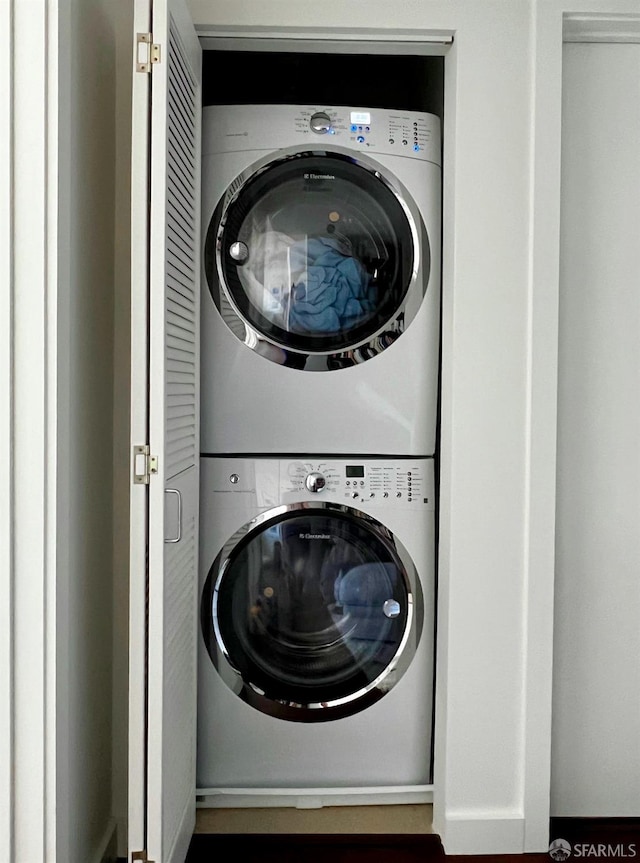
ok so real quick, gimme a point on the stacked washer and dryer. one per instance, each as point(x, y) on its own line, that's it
point(319, 394)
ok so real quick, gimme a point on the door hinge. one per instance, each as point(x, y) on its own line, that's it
point(147, 52)
point(140, 855)
point(144, 465)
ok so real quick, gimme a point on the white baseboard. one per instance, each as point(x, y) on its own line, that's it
point(481, 832)
point(311, 798)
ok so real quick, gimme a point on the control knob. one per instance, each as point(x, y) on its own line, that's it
point(315, 482)
point(320, 123)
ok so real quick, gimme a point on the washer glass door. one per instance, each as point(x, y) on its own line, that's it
point(307, 612)
point(315, 251)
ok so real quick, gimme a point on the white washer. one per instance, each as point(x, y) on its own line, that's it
point(316, 646)
point(321, 280)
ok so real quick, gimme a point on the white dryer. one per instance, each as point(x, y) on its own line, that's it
point(321, 280)
point(316, 647)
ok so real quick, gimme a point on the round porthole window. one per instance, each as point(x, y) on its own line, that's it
point(315, 253)
point(307, 613)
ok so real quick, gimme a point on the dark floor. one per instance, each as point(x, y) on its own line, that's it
point(301, 848)
point(335, 849)
point(593, 838)
point(306, 848)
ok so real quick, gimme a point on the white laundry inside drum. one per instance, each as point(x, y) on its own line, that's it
point(313, 284)
point(267, 276)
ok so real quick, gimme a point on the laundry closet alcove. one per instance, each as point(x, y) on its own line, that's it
point(488, 791)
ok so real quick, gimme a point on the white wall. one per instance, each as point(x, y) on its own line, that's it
point(122, 11)
point(85, 430)
point(596, 701)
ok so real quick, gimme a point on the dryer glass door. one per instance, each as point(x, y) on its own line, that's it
point(311, 610)
point(315, 251)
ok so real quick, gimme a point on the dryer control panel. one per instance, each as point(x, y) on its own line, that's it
point(238, 128)
point(400, 482)
point(401, 132)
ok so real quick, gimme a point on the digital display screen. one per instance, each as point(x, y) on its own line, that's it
point(360, 118)
point(355, 470)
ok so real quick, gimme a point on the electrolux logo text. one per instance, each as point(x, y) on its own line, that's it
point(560, 849)
point(315, 536)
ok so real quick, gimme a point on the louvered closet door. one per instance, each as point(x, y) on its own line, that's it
point(173, 427)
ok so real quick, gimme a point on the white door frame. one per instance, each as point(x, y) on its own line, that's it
point(6, 436)
point(28, 427)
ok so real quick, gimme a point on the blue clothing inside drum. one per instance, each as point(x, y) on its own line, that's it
point(365, 588)
point(334, 291)
point(362, 592)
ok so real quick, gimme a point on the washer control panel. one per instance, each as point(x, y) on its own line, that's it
point(309, 476)
point(401, 482)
